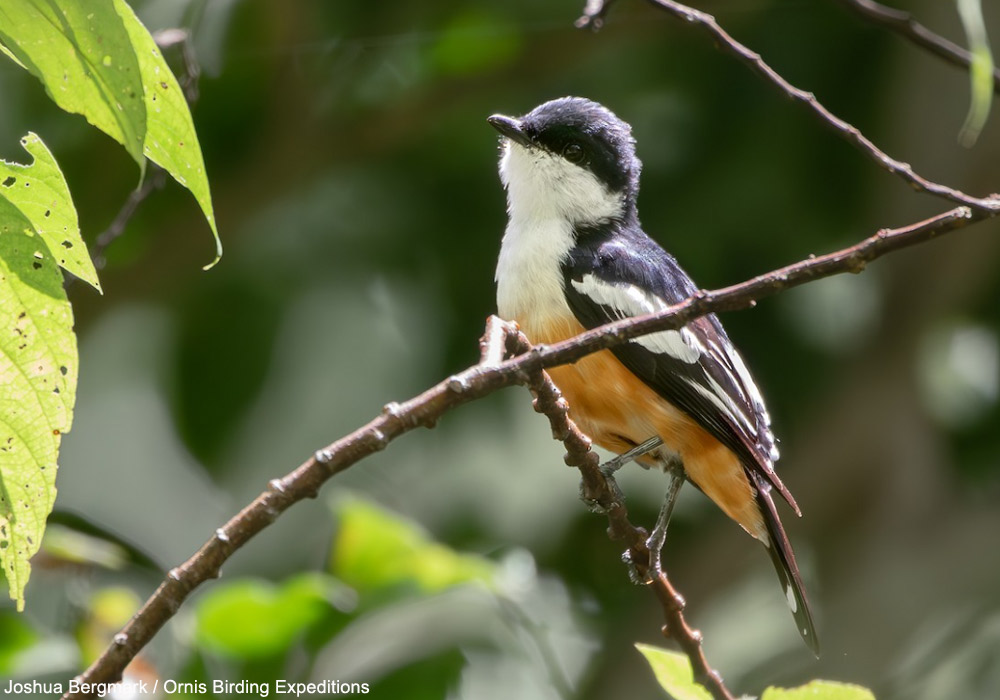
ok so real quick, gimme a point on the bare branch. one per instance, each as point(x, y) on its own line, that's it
point(473, 383)
point(594, 14)
point(905, 25)
point(156, 178)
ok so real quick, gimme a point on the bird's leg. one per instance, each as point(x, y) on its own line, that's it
point(675, 472)
point(612, 465)
point(609, 468)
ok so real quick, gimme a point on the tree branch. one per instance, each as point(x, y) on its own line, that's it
point(594, 15)
point(476, 382)
point(905, 25)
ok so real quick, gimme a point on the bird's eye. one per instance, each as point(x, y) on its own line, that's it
point(573, 152)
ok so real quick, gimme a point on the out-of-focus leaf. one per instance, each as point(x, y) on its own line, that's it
point(252, 619)
point(107, 612)
point(980, 70)
point(67, 545)
point(15, 637)
point(40, 193)
point(820, 690)
point(376, 549)
point(673, 673)
point(38, 358)
point(95, 58)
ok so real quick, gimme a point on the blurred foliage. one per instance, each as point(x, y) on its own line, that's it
point(673, 672)
point(354, 180)
point(373, 550)
point(981, 70)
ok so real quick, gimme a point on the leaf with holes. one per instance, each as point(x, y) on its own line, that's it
point(38, 360)
point(95, 58)
point(171, 141)
point(41, 195)
point(83, 55)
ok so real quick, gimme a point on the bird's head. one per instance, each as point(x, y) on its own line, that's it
point(571, 158)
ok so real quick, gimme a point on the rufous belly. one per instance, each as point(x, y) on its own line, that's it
point(619, 411)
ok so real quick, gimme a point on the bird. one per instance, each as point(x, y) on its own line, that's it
point(574, 256)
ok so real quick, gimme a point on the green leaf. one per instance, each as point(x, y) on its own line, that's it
point(81, 52)
point(38, 371)
point(15, 637)
point(252, 619)
point(673, 673)
point(820, 690)
point(6, 52)
point(95, 58)
point(40, 193)
point(38, 361)
point(375, 549)
point(980, 70)
point(171, 141)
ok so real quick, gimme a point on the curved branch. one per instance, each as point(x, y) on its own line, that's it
point(594, 15)
point(474, 383)
point(905, 25)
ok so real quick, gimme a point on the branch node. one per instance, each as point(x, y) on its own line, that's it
point(120, 639)
point(174, 574)
point(323, 456)
point(457, 384)
point(380, 438)
point(221, 535)
point(392, 410)
point(278, 486)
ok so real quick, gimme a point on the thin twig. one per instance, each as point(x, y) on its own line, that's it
point(156, 178)
point(595, 12)
point(904, 24)
point(473, 383)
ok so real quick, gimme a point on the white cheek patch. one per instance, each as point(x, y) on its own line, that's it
point(626, 301)
point(544, 185)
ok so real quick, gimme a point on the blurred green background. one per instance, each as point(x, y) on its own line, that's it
point(355, 186)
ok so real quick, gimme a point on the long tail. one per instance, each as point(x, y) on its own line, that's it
point(783, 559)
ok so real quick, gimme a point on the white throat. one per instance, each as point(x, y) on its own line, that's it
point(547, 196)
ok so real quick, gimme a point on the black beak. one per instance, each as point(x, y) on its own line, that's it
point(511, 128)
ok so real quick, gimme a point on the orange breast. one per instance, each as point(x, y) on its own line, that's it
point(619, 411)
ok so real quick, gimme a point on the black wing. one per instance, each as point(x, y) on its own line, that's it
point(623, 273)
point(619, 273)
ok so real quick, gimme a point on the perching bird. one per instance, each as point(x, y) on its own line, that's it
point(574, 256)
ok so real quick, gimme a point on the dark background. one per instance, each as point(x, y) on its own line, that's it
point(354, 180)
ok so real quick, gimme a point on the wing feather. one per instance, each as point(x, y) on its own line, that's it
point(697, 368)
